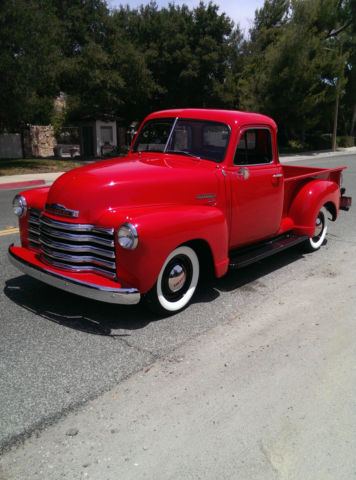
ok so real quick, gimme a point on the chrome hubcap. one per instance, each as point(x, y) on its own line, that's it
point(318, 227)
point(176, 278)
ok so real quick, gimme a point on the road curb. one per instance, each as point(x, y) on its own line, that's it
point(28, 183)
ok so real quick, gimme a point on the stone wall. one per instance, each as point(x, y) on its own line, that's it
point(39, 141)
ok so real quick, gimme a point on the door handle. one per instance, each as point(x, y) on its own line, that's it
point(276, 179)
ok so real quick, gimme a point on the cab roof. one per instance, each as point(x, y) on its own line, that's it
point(231, 117)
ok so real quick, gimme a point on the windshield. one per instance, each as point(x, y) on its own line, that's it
point(154, 135)
point(191, 137)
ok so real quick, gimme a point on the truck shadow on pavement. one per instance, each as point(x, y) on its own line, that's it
point(72, 311)
point(248, 279)
point(94, 317)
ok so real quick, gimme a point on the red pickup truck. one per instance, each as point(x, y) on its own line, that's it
point(199, 187)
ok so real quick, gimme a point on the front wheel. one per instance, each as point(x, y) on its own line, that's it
point(176, 282)
point(315, 242)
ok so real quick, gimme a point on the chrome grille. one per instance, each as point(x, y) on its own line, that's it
point(73, 246)
point(34, 228)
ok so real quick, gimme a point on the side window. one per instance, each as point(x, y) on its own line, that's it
point(254, 148)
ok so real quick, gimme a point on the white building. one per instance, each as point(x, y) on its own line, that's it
point(98, 137)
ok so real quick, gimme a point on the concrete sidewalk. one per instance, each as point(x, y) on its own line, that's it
point(292, 157)
point(42, 179)
point(28, 180)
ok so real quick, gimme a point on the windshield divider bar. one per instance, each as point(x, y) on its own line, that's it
point(170, 135)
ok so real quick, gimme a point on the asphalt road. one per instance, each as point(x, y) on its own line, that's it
point(7, 218)
point(58, 351)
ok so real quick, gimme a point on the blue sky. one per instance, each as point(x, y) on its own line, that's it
point(240, 11)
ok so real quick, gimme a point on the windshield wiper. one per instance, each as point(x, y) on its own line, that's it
point(183, 152)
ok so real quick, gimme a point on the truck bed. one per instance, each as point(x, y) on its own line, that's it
point(294, 173)
point(295, 177)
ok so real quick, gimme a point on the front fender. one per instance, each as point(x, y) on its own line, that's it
point(35, 198)
point(308, 202)
point(161, 230)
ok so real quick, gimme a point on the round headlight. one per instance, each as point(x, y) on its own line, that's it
point(127, 236)
point(19, 205)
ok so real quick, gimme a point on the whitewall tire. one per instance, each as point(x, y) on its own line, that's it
point(315, 242)
point(176, 282)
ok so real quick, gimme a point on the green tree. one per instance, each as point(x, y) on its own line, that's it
point(29, 62)
point(191, 54)
point(267, 23)
point(348, 105)
point(294, 77)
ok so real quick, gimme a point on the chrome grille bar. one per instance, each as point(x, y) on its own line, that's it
point(35, 212)
point(75, 227)
point(77, 259)
point(34, 228)
point(34, 239)
point(82, 268)
point(81, 248)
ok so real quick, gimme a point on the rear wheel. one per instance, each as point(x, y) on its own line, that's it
point(176, 282)
point(315, 242)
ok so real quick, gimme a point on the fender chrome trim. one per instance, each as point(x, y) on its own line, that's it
point(123, 296)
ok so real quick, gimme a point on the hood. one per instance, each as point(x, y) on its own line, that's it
point(133, 181)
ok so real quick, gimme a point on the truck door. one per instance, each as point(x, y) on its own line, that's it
point(256, 188)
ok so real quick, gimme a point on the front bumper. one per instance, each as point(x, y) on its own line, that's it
point(123, 296)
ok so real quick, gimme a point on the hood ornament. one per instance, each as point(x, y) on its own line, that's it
point(61, 210)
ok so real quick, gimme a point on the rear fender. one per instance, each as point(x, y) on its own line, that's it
point(161, 230)
point(308, 202)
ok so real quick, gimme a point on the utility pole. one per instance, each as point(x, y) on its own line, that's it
point(337, 85)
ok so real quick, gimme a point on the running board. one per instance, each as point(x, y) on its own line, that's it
point(253, 253)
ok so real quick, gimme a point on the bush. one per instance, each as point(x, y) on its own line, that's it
point(345, 141)
point(320, 141)
point(296, 145)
